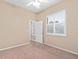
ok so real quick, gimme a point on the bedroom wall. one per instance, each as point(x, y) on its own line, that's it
point(70, 41)
point(13, 25)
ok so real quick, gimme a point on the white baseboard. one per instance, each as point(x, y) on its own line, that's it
point(3, 49)
point(62, 49)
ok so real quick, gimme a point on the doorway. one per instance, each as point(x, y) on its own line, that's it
point(36, 31)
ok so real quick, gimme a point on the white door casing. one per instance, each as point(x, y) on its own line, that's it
point(36, 31)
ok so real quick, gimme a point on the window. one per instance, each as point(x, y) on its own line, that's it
point(56, 23)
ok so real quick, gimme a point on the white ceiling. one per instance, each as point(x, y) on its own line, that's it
point(23, 4)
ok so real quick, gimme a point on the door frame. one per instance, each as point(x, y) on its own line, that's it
point(30, 30)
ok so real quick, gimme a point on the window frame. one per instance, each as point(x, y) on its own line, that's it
point(65, 26)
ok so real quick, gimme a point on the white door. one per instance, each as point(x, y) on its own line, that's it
point(37, 31)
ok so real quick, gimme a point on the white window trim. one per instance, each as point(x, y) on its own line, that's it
point(56, 34)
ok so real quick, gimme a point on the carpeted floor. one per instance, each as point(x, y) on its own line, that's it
point(35, 51)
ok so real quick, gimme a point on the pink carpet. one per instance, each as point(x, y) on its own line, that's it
point(32, 51)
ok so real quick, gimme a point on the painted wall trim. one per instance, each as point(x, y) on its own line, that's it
point(3, 49)
point(19, 45)
point(66, 50)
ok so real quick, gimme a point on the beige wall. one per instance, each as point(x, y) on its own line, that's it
point(70, 41)
point(13, 25)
